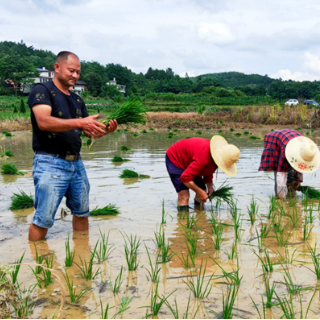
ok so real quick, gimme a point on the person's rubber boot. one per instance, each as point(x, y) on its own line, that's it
point(198, 205)
point(291, 190)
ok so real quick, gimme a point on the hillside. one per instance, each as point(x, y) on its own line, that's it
point(236, 79)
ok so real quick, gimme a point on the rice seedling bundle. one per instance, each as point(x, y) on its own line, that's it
point(238, 134)
point(7, 153)
point(309, 192)
point(109, 210)
point(131, 111)
point(21, 201)
point(7, 134)
point(125, 148)
point(223, 193)
point(254, 138)
point(9, 168)
point(119, 159)
point(126, 173)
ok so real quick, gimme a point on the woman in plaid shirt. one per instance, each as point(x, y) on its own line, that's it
point(289, 154)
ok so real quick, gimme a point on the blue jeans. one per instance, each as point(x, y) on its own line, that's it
point(53, 179)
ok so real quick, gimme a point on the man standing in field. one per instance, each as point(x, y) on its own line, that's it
point(58, 118)
point(289, 154)
point(192, 162)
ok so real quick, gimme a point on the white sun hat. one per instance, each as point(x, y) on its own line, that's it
point(225, 155)
point(303, 154)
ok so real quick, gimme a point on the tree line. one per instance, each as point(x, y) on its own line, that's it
point(19, 63)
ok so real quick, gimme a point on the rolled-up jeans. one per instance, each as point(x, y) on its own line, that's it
point(53, 179)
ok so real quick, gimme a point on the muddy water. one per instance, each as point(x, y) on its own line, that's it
point(140, 205)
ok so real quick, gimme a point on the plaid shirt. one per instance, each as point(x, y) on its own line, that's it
point(273, 156)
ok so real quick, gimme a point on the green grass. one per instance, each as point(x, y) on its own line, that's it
point(126, 173)
point(21, 201)
point(109, 210)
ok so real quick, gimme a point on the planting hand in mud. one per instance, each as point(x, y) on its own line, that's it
point(201, 194)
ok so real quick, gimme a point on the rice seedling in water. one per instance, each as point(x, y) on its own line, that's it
point(23, 305)
point(228, 301)
point(199, 132)
point(160, 238)
point(104, 312)
point(259, 241)
point(125, 148)
point(213, 221)
point(309, 192)
point(126, 173)
point(287, 307)
point(131, 247)
point(7, 134)
point(231, 277)
point(238, 134)
point(267, 264)
point(170, 135)
point(192, 221)
point(218, 238)
point(233, 252)
point(164, 253)
point(192, 245)
point(269, 291)
point(288, 281)
point(7, 153)
point(21, 201)
point(223, 193)
point(264, 230)
point(220, 131)
point(246, 133)
point(103, 250)
point(175, 312)
point(154, 270)
point(10, 168)
point(295, 217)
point(307, 229)
point(196, 284)
point(131, 111)
point(281, 237)
point(86, 268)
point(47, 275)
point(16, 269)
point(151, 129)
point(311, 216)
point(109, 210)
point(272, 206)
point(74, 298)
point(119, 159)
point(231, 129)
point(315, 257)
point(287, 258)
point(163, 214)
point(144, 131)
point(253, 210)
point(254, 138)
point(115, 288)
point(68, 261)
point(39, 260)
point(263, 316)
point(135, 135)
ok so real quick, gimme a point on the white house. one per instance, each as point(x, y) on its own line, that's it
point(120, 87)
point(79, 87)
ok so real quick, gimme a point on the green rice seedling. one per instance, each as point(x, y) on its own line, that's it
point(264, 230)
point(199, 132)
point(192, 245)
point(254, 138)
point(115, 288)
point(315, 257)
point(311, 216)
point(269, 291)
point(39, 260)
point(125, 148)
point(38, 278)
point(218, 238)
point(119, 159)
point(86, 268)
point(7, 133)
point(151, 129)
point(259, 241)
point(125, 130)
point(68, 261)
point(231, 129)
point(186, 261)
point(228, 301)
point(164, 253)
point(192, 221)
point(104, 249)
point(287, 307)
point(23, 305)
point(220, 131)
point(74, 298)
point(293, 202)
point(191, 129)
point(288, 281)
point(307, 229)
point(295, 218)
point(105, 311)
point(213, 221)
point(253, 210)
point(238, 134)
point(135, 135)
point(170, 135)
point(298, 128)
point(16, 269)
point(144, 131)
point(272, 206)
point(160, 238)
point(154, 270)
point(246, 133)
point(223, 193)
point(287, 258)
point(309, 192)
point(10, 168)
point(132, 111)
point(7, 153)
point(281, 237)
point(21, 201)
point(126, 173)
point(208, 128)
point(163, 214)
point(46, 272)
point(155, 306)
point(263, 316)
point(131, 247)
point(233, 252)
point(196, 284)
point(169, 128)
point(307, 133)
point(267, 264)
point(185, 315)
point(109, 210)
point(231, 277)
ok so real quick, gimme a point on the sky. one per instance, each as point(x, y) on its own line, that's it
point(278, 38)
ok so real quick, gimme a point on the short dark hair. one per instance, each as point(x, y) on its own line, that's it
point(63, 55)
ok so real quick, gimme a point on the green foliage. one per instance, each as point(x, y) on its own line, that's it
point(126, 173)
point(22, 106)
point(7, 153)
point(109, 210)
point(119, 159)
point(10, 168)
point(21, 201)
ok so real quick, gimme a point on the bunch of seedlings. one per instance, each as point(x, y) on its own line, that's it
point(131, 247)
point(10, 168)
point(223, 193)
point(21, 201)
point(109, 210)
point(117, 159)
point(7, 153)
point(127, 173)
point(125, 148)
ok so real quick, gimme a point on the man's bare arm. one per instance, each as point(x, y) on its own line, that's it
point(46, 122)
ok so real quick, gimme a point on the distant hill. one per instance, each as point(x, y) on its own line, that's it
point(236, 79)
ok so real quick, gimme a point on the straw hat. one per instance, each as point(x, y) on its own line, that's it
point(303, 154)
point(225, 155)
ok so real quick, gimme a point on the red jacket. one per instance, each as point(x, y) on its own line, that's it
point(193, 155)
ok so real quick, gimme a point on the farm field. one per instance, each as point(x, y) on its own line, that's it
point(239, 258)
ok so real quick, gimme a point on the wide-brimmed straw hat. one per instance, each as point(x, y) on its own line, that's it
point(225, 155)
point(303, 154)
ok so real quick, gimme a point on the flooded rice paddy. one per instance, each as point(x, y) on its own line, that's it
point(287, 237)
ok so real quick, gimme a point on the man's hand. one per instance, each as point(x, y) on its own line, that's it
point(202, 196)
point(93, 128)
point(112, 126)
point(210, 191)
